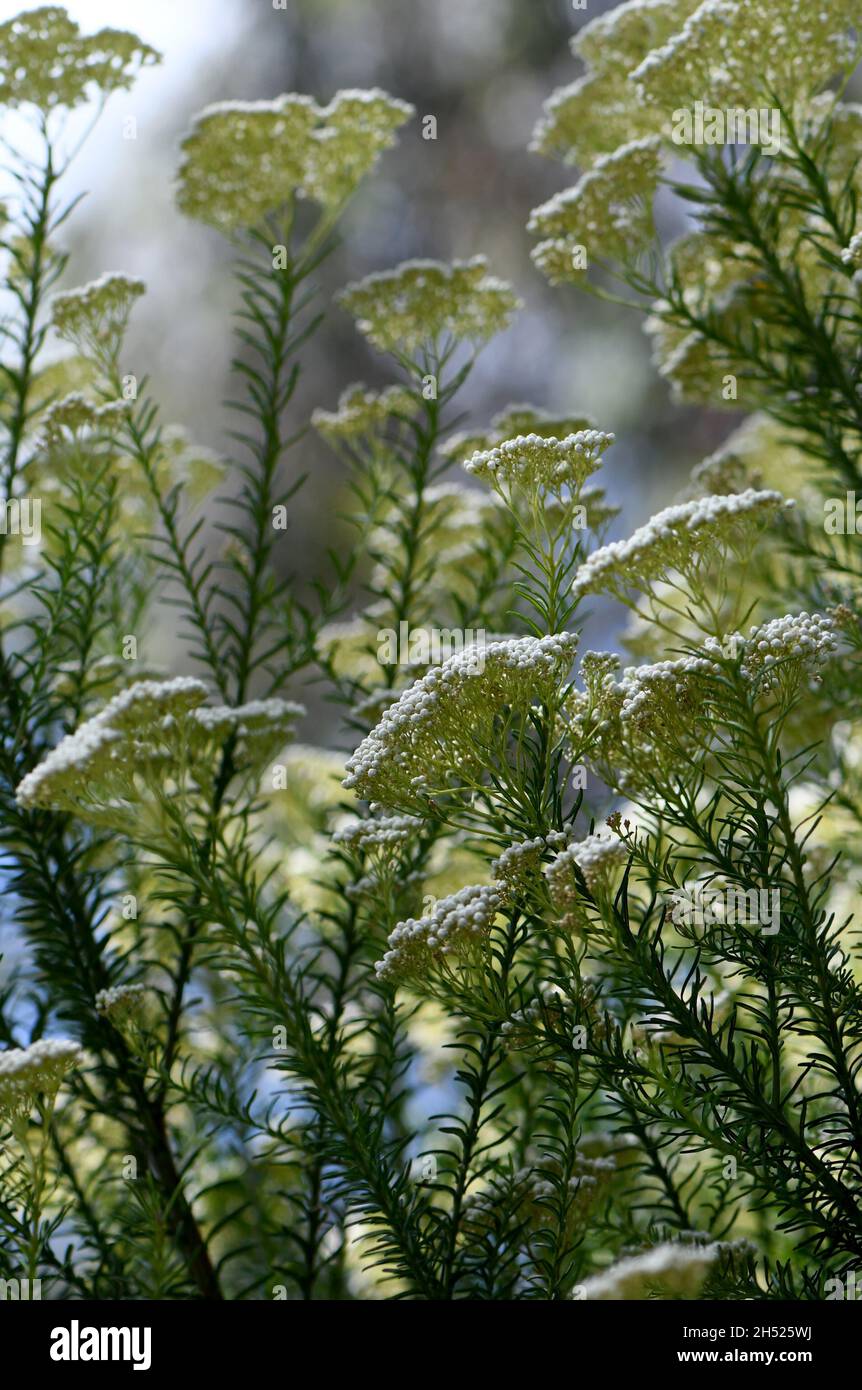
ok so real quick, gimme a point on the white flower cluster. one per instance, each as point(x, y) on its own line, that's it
point(428, 302)
point(520, 862)
point(852, 254)
point(586, 1185)
point(748, 52)
point(437, 732)
point(108, 999)
point(787, 647)
point(383, 832)
point(669, 1268)
point(726, 470)
point(76, 414)
point(598, 857)
point(260, 727)
point(601, 110)
point(94, 317)
point(89, 763)
point(245, 159)
point(29, 1072)
point(457, 927)
point(151, 730)
point(512, 420)
point(679, 538)
point(121, 1002)
point(361, 414)
point(607, 214)
point(666, 692)
point(536, 463)
point(46, 61)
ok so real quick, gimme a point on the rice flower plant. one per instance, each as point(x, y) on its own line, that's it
point(531, 973)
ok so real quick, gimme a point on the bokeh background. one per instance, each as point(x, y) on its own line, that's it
point(482, 68)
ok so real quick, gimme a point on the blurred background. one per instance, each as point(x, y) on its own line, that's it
point(482, 68)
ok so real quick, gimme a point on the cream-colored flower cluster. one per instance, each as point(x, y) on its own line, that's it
point(378, 833)
point(533, 463)
point(426, 303)
point(362, 414)
point(648, 59)
point(148, 740)
point(436, 735)
point(94, 318)
point(670, 1269)
point(599, 111)
point(667, 694)
point(245, 159)
point(652, 64)
point(784, 650)
point(583, 1189)
point(76, 415)
point(538, 1188)
point(648, 725)
point(517, 868)
point(46, 61)
point(852, 254)
point(122, 1004)
point(29, 1073)
point(257, 730)
point(354, 130)
point(599, 858)
point(98, 763)
point(726, 470)
point(680, 539)
point(455, 930)
point(607, 215)
point(749, 53)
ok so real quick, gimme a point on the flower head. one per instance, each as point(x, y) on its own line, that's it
point(852, 254)
point(29, 1073)
point(100, 759)
point(424, 302)
point(152, 737)
point(380, 832)
point(602, 110)
point(785, 650)
point(362, 414)
point(621, 38)
point(517, 868)
point(245, 159)
point(457, 928)
point(748, 52)
point(667, 695)
point(598, 858)
point(436, 734)
point(353, 131)
point(677, 539)
point(76, 415)
point(46, 61)
point(591, 117)
point(535, 463)
point(94, 317)
point(258, 729)
point(607, 214)
point(506, 424)
point(670, 1269)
